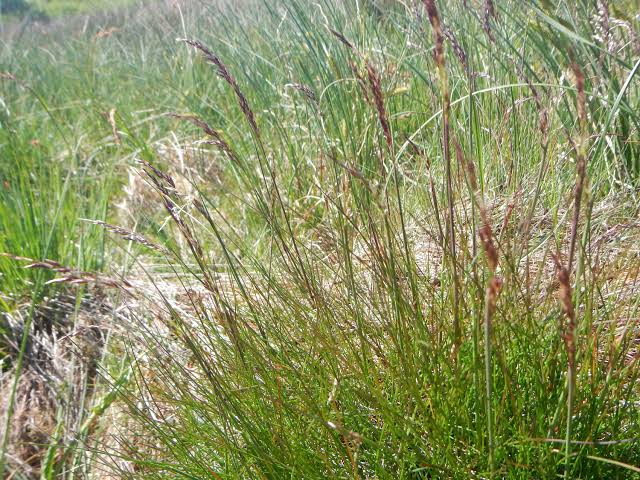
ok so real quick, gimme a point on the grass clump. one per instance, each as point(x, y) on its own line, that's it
point(403, 240)
point(406, 283)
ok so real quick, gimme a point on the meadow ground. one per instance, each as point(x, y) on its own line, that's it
point(334, 239)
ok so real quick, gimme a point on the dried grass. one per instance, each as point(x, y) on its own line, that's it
point(64, 348)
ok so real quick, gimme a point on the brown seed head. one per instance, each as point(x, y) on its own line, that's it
point(468, 166)
point(486, 237)
point(434, 19)
point(489, 13)
point(376, 89)
point(457, 48)
point(128, 235)
point(223, 72)
point(564, 291)
point(343, 39)
point(493, 291)
point(306, 91)
point(216, 137)
point(579, 75)
point(72, 276)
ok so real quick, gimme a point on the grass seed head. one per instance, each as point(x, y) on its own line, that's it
point(129, 235)
point(223, 72)
point(344, 40)
point(487, 17)
point(306, 91)
point(457, 48)
point(436, 25)
point(216, 137)
point(376, 90)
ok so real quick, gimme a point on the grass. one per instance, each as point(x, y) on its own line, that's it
point(74, 7)
point(406, 247)
point(50, 9)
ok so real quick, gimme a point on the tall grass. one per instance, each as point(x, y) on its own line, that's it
point(406, 265)
point(60, 163)
point(346, 324)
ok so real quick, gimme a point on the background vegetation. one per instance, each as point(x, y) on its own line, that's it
point(47, 9)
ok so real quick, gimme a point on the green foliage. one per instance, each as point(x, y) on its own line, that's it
point(51, 9)
point(325, 348)
point(14, 6)
point(58, 8)
point(318, 338)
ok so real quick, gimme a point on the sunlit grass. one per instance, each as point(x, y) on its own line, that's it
point(368, 232)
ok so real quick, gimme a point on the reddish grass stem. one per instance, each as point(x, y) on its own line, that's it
point(438, 36)
point(564, 273)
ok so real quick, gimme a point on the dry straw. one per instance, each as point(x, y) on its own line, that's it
point(72, 276)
